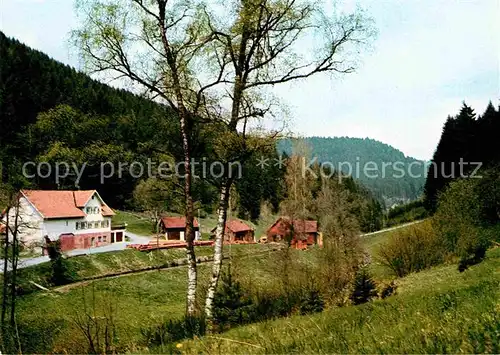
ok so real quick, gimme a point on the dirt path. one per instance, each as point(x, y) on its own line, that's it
point(392, 228)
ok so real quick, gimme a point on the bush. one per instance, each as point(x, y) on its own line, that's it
point(413, 249)
point(234, 305)
point(311, 302)
point(464, 219)
point(388, 290)
point(62, 272)
point(231, 305)
point(364, 287)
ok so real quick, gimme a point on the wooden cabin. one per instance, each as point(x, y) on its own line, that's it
point(301, 233)
point(174, 228)
point(237, 232)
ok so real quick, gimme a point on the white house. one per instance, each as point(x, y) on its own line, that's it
point(79, 219)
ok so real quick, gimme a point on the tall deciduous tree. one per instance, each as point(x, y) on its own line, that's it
point(163, 48)
point(268, 43)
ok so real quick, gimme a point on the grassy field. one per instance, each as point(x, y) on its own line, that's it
point(99, 265)
point(96, 265)
point(136, 223)
point(47, 320)
point(435, 311)
point(438, 310)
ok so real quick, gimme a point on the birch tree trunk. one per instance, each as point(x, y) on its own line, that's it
point(218, 249)
point(15, 258)
point(189, 214)
point(5, 275)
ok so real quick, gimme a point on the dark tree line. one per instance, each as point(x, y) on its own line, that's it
point(467, 140)
point(31, 82)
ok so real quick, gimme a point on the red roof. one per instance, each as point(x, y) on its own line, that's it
point(62, 203)
point(236, 225)
point(305, 226)
point(82, 197)
point(177, 222)
point(299, 225)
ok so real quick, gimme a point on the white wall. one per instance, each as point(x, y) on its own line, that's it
point(93, 203)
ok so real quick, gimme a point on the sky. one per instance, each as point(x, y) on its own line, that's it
point(428, 57)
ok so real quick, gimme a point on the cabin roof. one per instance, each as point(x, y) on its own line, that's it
point(299, 225)
point(177, 222)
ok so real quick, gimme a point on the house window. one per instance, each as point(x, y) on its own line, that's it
point(77, 225)
point(96, 210)
point(104, 239)
point(99, 239)
point(89, 210)
point(83, 225)
point(92, 241)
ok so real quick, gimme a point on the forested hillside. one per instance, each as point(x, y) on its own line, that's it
point(396, 185)
point(33, 83)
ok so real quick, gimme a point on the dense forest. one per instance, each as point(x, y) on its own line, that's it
point(343, 152)
point(467, 142)
point(32, 83)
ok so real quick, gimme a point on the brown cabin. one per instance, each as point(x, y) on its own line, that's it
point(301, 233)
point(237, 232)
point(174, 228)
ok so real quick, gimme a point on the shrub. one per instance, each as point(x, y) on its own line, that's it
point(311, 302)
point(364, 287)
point(463, 218)
point(406, 213)
point(62, 272)
point(231, 305)
point(413, 249)
point(95, 321)
point(234, 305)
point(388, 290)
